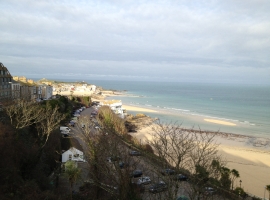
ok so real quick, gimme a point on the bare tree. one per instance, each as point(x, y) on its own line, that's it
point(48, 121)
point(187, 151)
point(23, 113)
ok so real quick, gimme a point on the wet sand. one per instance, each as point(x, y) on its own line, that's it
point(220, 122)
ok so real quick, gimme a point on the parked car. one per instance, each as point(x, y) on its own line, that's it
point(97, 127)
point(65, 132)
point(209, 190)
point(64, 128)
point(144, 180)
point(135, 153)
point(94, 112)
point(71, 123)
point(158, 187)
point(122, 164)
point(167, 172)
point(76, 115)
point(75, 119)
point(136, 173)
point(180, 177)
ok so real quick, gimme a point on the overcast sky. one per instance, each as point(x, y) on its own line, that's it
point(144, 40)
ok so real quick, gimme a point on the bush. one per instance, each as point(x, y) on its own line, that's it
point(139, 115)
point(240, 191)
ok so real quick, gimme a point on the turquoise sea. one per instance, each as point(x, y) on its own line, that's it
point(248, 106)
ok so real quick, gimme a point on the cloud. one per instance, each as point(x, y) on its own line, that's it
point(138, 37)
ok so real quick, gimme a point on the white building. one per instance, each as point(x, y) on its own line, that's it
point(73, 154)
point(47, 91)
point(93, 88)
point(115, 105)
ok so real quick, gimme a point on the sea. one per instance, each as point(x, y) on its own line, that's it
point(188, 104)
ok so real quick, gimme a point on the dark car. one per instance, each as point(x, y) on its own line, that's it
point(134, 153)
point(158, 187)
point(180, 177)
point(136, 173)
point(167, 172)
point(122, 164)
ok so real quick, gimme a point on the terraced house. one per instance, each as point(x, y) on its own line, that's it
point(5, 83)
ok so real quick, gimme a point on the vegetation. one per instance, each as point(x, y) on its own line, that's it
point(29, 146)
point(72, 172)
point(268, 189)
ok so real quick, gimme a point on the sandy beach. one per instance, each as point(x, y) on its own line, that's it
point(249, 155)
point(138, 109)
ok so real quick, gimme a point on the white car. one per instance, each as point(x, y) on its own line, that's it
point(64, 128)
point(144, 180)
point(76, 115)
point(65, 132)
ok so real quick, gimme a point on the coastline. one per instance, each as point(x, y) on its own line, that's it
point(241, 153)
point(249, 155)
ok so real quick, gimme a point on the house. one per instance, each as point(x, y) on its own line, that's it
point(73, 154)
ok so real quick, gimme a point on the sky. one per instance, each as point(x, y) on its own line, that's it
point(162, 40)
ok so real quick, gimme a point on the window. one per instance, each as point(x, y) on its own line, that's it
point(70, 156)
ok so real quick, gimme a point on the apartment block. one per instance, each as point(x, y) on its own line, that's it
point(5, 83)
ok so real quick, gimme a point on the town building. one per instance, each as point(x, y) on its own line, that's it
point(5, 83)
point(47, 91)
point(116, 107)
point(25, 92)
point(73, 154)
point(16, 89)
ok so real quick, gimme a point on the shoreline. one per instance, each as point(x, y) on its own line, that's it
point(250, 155)
point(239, 152)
